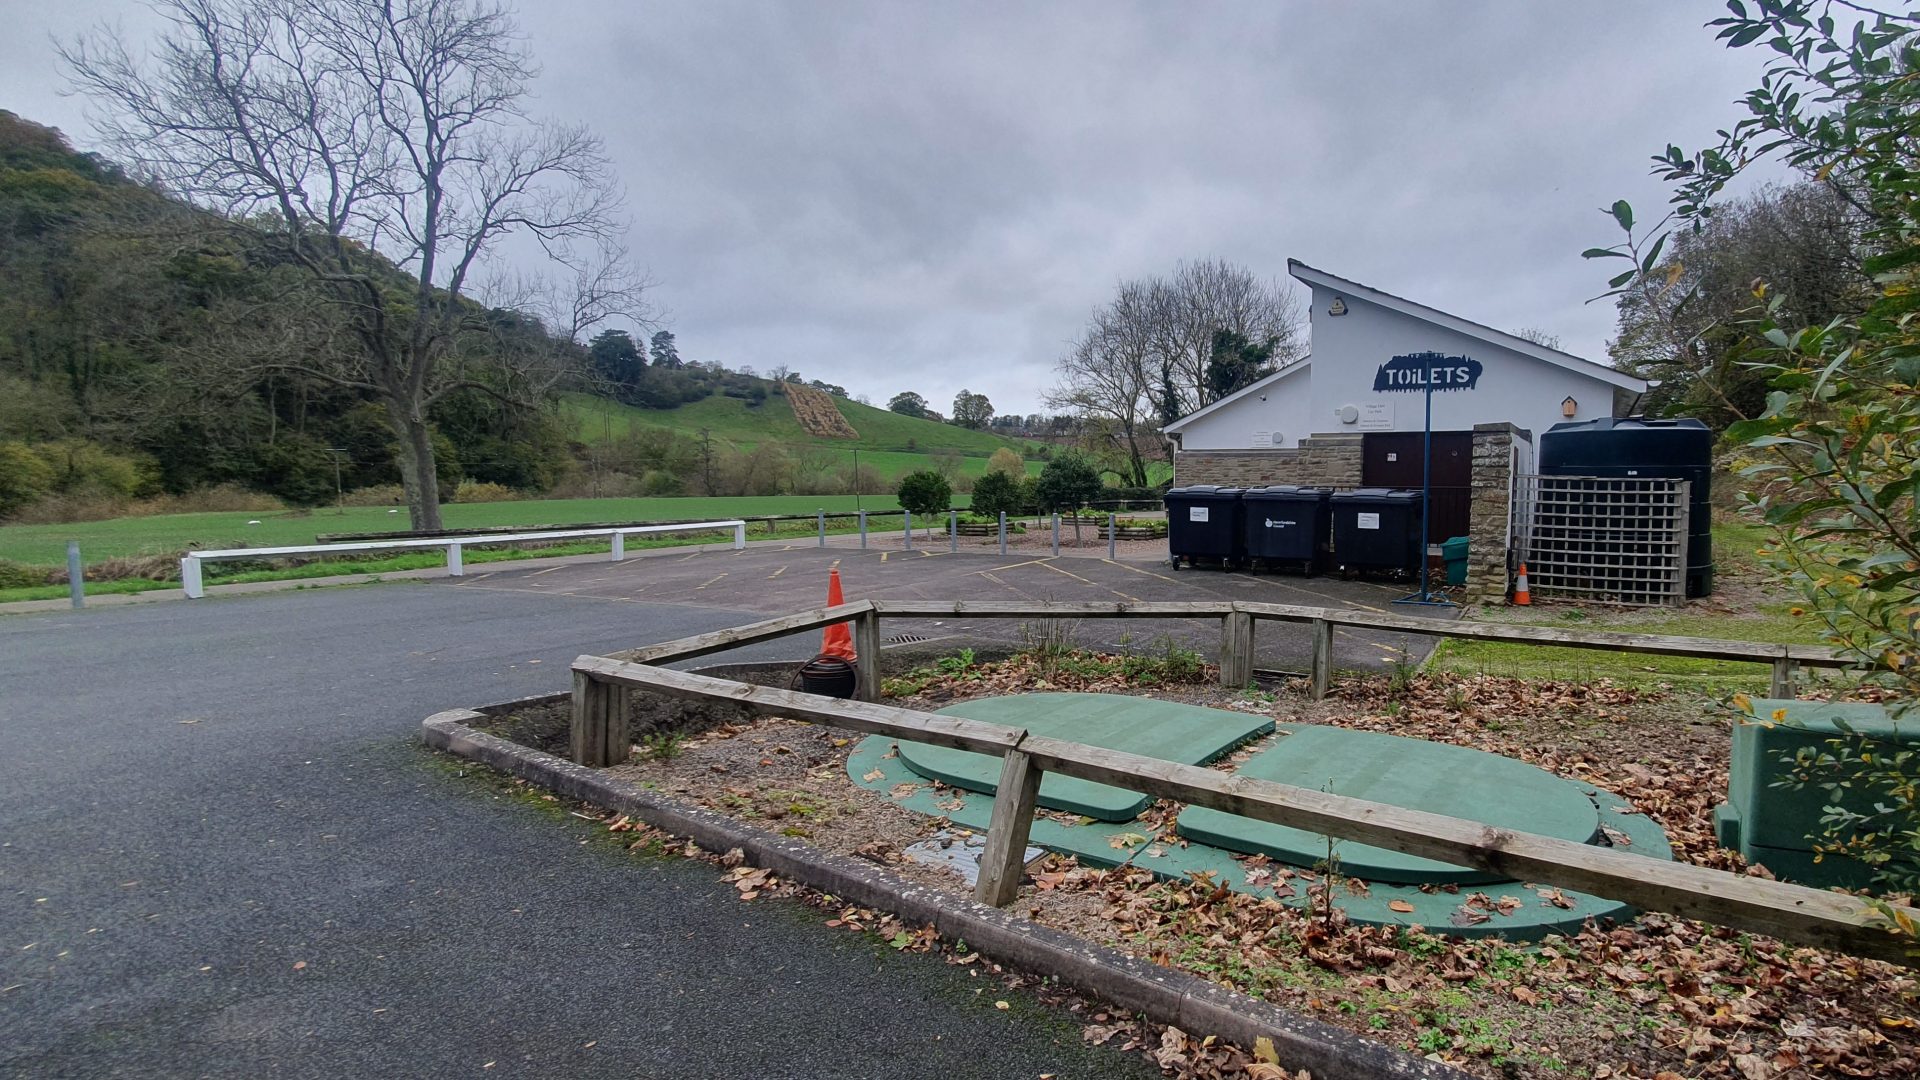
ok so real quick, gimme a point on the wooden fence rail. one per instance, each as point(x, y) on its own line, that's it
point(1238, 623)
point(1238, 619)
point(1791, 913)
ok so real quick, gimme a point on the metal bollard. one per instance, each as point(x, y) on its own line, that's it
point(1003, 532)
point(863, 530)
point(76, 578)
point(907, 517)
point(822, 518)
point(1056, 536)
point(953, 531)
point(1113, 535)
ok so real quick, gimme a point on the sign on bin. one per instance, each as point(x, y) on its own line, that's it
point(1196, 513)
point(1366, 521)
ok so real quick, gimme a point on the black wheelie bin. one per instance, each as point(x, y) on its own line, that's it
point(1287, 526)
point(1376, 529)
point(1203, 524)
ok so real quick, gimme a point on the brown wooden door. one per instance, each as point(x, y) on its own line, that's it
point(1392, 459)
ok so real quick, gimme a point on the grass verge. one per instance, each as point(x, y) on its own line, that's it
point(239, 572)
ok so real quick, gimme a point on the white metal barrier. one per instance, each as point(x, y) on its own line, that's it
point(190, 563)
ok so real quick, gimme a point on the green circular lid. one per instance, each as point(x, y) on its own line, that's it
point(1435, 777)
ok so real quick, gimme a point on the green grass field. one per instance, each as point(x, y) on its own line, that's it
point(888, 441)
point(46, 545)
point(382, 562)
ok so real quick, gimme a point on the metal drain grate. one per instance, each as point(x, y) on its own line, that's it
point(907, 639)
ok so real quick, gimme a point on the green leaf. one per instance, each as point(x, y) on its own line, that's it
point(1653, 256)
point(1623, 213)
point(1604, 253)
point(1621, 279)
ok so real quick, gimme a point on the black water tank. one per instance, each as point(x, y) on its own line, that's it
point(1651, 449)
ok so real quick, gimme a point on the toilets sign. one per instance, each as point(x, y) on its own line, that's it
point(1416, 372)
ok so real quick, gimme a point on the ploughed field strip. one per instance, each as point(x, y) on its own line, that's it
point(1101, 826)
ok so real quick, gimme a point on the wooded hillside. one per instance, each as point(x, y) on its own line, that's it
point(131, 335)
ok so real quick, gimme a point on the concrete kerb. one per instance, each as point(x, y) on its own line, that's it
point(1165, 996)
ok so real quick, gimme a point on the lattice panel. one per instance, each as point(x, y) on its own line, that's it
point(1603, 539)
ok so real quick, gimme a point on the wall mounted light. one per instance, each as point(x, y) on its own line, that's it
point(1569, 407)
point(1338, 307)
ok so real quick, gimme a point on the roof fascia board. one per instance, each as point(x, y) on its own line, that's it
point(1488, 334)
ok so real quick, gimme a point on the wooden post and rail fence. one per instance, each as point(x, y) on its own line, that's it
point(1791, 913)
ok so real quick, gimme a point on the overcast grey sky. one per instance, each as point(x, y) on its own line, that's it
point(915, 196)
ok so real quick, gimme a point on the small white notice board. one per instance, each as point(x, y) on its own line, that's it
point(1376, 416)
point(1367, 521)
point(1199, 513)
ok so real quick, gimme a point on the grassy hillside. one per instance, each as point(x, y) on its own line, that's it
point(743, 424)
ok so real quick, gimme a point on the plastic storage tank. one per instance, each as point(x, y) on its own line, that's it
point(1773, 823)
point(1203, 522)
point(1377, 529)
point(1655, 449)
point(1287, 524)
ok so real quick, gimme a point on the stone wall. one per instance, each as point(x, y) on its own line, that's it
point(1490, 503)
point(1320, 461)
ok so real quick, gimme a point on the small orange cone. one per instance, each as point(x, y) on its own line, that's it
point(838, 638)
point(1521, 597)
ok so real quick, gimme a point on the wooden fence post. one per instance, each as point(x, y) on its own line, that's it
point(597, 736)
point(1322, 671)
point(1236, 649)
point(1005, 858)
point(1783, 672)
point(866, 645)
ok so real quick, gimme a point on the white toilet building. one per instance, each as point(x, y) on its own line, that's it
point(1353, 412)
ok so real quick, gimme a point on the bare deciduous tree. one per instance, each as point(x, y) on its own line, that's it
point(377, 147)
point(1110, 375)
point(1142, 361)
point(1204, 297)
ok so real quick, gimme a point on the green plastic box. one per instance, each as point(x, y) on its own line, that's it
point(1774, 826)
point(1455, 553)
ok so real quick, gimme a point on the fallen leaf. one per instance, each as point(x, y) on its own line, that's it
point(1002, 1006)
point(1126, 841)
point(876, 774)
point(1400, 906)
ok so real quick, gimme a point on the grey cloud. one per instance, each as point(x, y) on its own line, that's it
point(906, 195)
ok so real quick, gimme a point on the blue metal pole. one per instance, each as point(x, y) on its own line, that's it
point(1426, 487)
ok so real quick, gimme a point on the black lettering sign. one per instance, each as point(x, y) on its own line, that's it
point(1412, 372)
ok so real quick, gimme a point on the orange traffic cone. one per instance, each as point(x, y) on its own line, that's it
point(1521, 597)
point(838, 638)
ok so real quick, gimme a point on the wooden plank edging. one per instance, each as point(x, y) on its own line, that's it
point(732, 637)
point(1791, 913)
point(1132, 983)
point(951, 731)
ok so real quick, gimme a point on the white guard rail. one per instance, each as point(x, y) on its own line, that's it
point(190, 563)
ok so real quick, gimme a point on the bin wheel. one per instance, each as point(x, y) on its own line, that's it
point(1174, 562)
